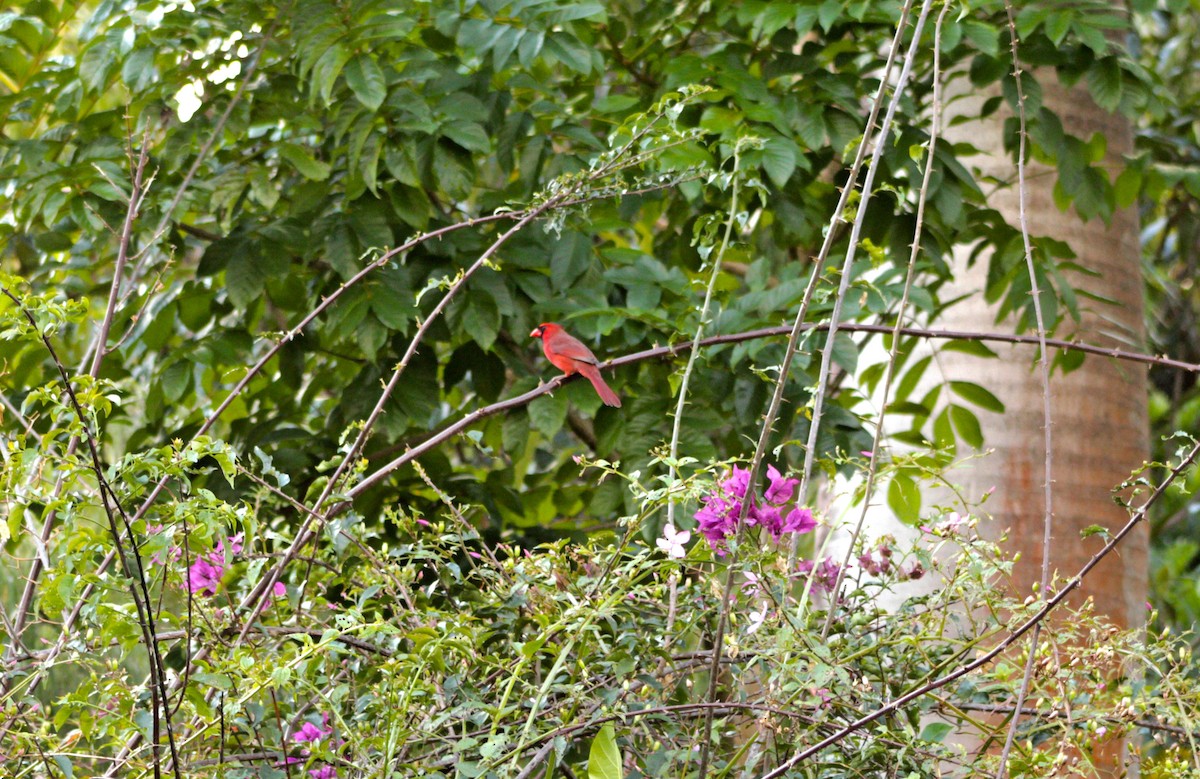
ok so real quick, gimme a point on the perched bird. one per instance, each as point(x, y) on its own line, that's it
point(569, 355)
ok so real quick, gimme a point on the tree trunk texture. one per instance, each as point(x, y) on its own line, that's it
point(1098, 418)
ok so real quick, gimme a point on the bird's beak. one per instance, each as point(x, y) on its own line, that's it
point(537, 332)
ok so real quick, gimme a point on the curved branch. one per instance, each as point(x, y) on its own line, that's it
point(1036, 619)
point(682, 347)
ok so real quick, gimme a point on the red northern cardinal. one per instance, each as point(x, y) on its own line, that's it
point(569, 355)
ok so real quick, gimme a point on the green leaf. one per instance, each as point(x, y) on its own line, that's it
point(845, 351)
point(452, 172)
point(64, 764)
point(482, 320)
point(469, 135)
point(604, 758)
point(98, 61)
point(548, 413)
point(218, 681)
point(906, 385)
point(569, 259)
point(304, 163)
point(366, 80)
point(327, 69)
point(1068, 359)
point(1104, 81)
point(967, 425)
point(615, 104)
point(935, 732)
point(1127, 187)
point(943, 432)
point(176, 380)
point(244, 279)
point(828, 13)
point(570, 52)
point(576, 10)
point(904, 499)
point(976, 348)
point(779, 160)
point(973, 393)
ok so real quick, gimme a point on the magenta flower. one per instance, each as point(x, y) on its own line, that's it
point(204, 576)
point(717, 519)
point(800, 520)
point(781, 489)
point(310, 732)
point(718, 514)
point(825, 576)
point(235, 545)
point(205, 572)
point(735, 486)
point(768, 518)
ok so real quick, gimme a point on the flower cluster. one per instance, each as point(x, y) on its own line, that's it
point(878, 562)
point(718, 516)
point(311, 733)
point(824, 573)
point(205, 572)
point(953, 524)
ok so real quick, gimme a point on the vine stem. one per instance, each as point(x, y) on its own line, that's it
point(781, 383)
point(693, 353)
point(1044, 377)
point(135, 572)
point(136, 194)
point(667, 352)
point(872, 466)
point(987, 657)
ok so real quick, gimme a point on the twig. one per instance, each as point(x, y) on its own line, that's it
point(1044, 376)
point(136, 195)
point(674, 350)
point(789, 355)
point(136, 573)
point(810, 449)
point(987, 657)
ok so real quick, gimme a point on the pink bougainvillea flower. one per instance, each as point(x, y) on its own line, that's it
point(824, 573)
point(235, 545)
point(204, 576)
point(717, 518)
point(310, 732)
point(799, 520)
point(781, 489)
point(737, 482)
point(718, 515)
point(205, 572)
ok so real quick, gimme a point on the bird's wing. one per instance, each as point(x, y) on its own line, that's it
point(570, 346)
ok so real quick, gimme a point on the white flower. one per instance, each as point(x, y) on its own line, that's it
point(672, 541)
point(757, 618)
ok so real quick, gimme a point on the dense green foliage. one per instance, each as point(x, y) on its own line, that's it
point(392, 195)
point(1168, 168)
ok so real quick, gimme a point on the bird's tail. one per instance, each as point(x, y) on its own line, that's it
point(603, 390)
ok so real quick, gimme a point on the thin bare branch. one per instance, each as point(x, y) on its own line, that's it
point(987, 657)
